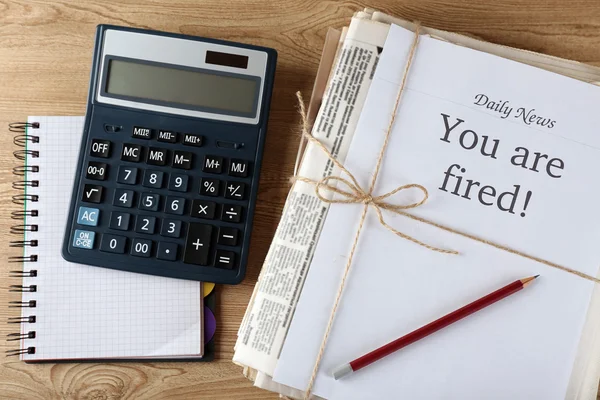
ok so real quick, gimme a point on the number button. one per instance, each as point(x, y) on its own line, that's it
point(175, 205)
point(235, 190)
point(238, 168)
point(203, 209)
point(131, 152)
point(100, 148)
point(228, 236)
point(178, 183)
point(119, 221)
point(171, 228)
point(182, 160)
point(141, 247)
point(156, 156)
point(96, 171)
point(92, 193)
point(127, 175)
point(167, 251)
point(213, 164)
point(225, 259)
point(149, 202)
point(209, 187)
point(123, 198)
point(231, 213)
point(113, 243)
point(145, 224)
point(153, 179)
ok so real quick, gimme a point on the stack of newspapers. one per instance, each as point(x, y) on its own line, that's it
point(349, 61)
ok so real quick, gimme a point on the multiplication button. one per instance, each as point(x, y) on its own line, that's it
point(203, 209)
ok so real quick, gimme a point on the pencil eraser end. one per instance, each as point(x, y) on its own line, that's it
point(341, 371)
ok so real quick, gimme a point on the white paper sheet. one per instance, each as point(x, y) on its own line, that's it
point(520, 348)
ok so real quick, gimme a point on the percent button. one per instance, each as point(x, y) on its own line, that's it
point(210, 187)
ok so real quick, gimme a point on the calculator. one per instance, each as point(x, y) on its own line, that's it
point(170, 157)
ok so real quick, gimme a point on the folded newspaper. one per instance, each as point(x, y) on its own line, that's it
point(348, 63)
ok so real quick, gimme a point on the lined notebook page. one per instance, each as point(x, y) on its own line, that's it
point(90, 312)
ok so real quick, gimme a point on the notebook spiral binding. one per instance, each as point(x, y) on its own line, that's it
point(25, 185)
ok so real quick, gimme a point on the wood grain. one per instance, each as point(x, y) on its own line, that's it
point(45, 55)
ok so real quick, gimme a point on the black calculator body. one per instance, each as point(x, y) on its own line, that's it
point(168, 171)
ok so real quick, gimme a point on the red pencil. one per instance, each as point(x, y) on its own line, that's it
point(430, 328)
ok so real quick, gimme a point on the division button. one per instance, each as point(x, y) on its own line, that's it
point(231, 213)
point(197, 244)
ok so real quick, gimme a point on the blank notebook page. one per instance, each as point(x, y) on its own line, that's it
point(88, 312)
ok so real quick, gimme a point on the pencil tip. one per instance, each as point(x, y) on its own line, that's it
point(536, 276)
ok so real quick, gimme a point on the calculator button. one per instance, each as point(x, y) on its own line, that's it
point(83, 239)
point(100, 148)
point(235, 190)
point(167, 136)
point(175, 205)
point(141, 247)
point(225, 259)
point(203, 209)
point(167, 251)
point(92, 193)
point(145, 224)
point(228, 236)
point(149, 202)
point(156, 156)
point(209, 187)
point(141, 133)
point(127, 175)
point(171, 228)
point(96, 171)
point(153, 179)
point(178, 183)
point(113, 243)
point(88, 216)
point(182, 159)
point(192, 140)
point(197, 244)
point(238, 168)
point(231, 213)
point(131, 152)
point(213, 164)
point(119, 220)
point(123, 198)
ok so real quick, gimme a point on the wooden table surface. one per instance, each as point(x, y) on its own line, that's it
point(45, 54)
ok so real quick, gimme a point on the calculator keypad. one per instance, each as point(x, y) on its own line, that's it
point(163, 195)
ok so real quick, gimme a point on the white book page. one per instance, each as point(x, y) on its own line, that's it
point(520, 348)
point(88, 312)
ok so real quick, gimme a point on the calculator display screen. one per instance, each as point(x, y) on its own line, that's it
point(211, 90)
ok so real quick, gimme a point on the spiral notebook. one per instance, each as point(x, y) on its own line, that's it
point(77, 312)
